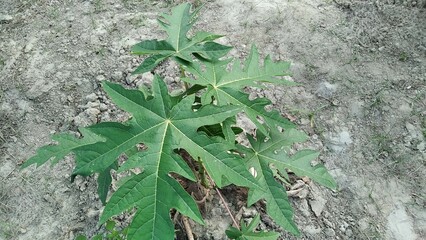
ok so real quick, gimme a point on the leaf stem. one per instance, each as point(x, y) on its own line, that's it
point(202, 172)
point(187, 228)
point(227, 208)
point(223, 200)
point(182, 75)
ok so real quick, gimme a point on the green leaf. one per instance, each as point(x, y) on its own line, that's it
point(251, 74)
point(233, 233)
point(104, 182)
point(110, 225)
point(178, 44)
point(66, 144)
point(255, 110)
point(266, 151)
point(249, 233)
point(226, 129)
point(224, 86)
point(164, 126)
point(81, 237)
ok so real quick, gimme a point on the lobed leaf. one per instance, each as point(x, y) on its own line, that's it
point(164, 126)
point(178, 44)
point(224, 86)
point(248, 232)
point(66, 143)
point(266, 151)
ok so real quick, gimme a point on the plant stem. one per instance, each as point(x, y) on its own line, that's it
point(227, 208)
point(187, 228)
point(182, 75)
point(202, 172)
point(223, 200)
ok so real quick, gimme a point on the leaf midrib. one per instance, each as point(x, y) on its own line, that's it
point(215, 159)
point(137, 136)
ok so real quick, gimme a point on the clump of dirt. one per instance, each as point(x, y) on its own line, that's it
point(363, 103)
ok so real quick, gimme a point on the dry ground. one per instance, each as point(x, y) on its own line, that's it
point(363, 102)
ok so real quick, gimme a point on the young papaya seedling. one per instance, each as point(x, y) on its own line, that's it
point(190, 136)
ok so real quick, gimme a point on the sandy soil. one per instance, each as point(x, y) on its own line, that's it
point(363, 103)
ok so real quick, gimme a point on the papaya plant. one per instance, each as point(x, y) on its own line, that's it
point(190, 136)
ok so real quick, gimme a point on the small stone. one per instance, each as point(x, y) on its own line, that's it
point(92, 112)
point(103, 107)
point(327, 222)
point(249, 212)
point(117, 75)
point(304, 208)
point(312, 230)
point(329, 232)
point(363, 224)
point(356, 108)
point(326, 90)
point(349, 232)
point(92, 105)
point(148, 77)
point(92, 213)
point(100, 78)
point(304, 121)
point(341, 141)
point(343, 226)
point(39, 88)
point(29, 46)
point(4, 18)
point(91, 97)
point(421, 146)
point(168, 79)
point(48, 198)
point(131, 78)
point(318, 205)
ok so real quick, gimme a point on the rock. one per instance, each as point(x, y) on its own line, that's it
point(39, 88)
point(92, 105)
point(48, 198)
point(312, 230)
point(349, 233)
point(339, 142)
point(91, 97)
point(92, 213)
point(326, 90)
point(405, 109)
point(327, 222)
point(304, 208)
point(249, 212)
point(103, 107)
point(421, 146)
point(131, 78)
point(343, 226)
point(92, 113)
point(86, 118)
point(5, 169)
point(363, 224)
point(4, 18)
point(100, 78)
point(148, 77)
point(318, 205)
point(400, 224)
point(304, 121)
point(30, 45)
point(356, 109)
point(117, 75)
point(329, 232)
